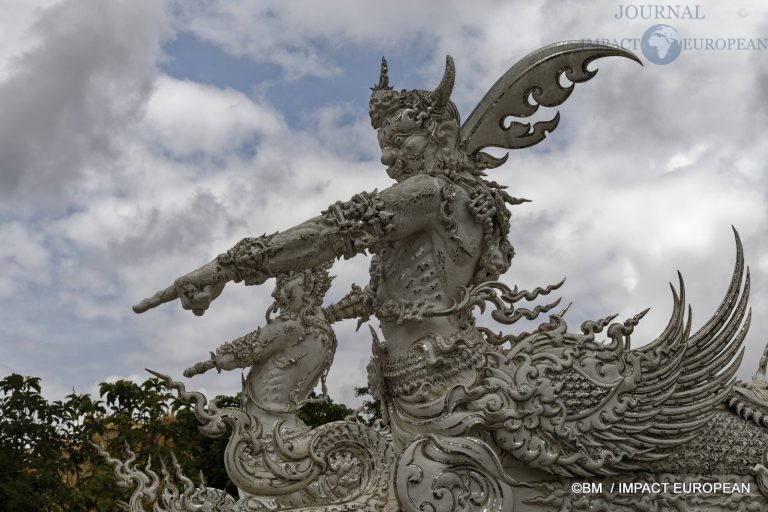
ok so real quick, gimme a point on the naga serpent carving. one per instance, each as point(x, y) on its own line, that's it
point(472, 420)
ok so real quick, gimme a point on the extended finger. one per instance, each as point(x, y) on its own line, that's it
point(160, 297)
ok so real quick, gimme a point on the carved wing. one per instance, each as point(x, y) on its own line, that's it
point(591, 408)
point(537, 76)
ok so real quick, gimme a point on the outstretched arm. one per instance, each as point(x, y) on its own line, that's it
point(344, 229)
point(245, 351)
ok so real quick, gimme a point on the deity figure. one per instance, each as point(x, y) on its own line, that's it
point(288, 356)
point(478, 420)
point(441, 230)
point(276, 461)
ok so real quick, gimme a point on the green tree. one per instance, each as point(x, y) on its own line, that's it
point(47, 465)
point(370, 411)
point(29, 441)
point(314, 414)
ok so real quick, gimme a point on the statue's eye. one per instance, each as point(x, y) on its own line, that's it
point(398, 140)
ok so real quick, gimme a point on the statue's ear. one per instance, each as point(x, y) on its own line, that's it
point(447, 133)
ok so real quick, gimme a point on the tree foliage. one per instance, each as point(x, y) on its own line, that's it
point(370, 410)
point(47, 464)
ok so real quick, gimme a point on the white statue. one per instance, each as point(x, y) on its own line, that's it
point(472, 420)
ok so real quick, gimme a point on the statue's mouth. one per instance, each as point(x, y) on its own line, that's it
point(396, 170)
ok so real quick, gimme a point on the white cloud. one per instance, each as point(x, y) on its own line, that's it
point(15, 24)
point(74, 87)
point(23, 257)
point(288, 34)
point(189, 119)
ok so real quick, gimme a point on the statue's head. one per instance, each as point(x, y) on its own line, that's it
point(418, 130)
point(301, 290)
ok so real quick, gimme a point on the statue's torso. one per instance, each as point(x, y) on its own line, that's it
point(425, 355)
point(289, 368)
point(427, 271)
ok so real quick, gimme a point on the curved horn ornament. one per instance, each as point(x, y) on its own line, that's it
point(442, 93)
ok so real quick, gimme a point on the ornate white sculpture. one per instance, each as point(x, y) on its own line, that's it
point(472, 420)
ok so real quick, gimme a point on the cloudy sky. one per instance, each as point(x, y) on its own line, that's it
point(140, 138)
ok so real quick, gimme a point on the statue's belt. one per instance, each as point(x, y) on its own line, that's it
point(434, 360)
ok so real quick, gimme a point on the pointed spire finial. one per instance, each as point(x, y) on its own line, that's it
point(383, 84)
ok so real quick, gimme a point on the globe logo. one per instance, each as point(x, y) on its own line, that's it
point(661, 44)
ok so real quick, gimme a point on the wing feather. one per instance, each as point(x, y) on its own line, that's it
point(669, 390)
point(536, 76)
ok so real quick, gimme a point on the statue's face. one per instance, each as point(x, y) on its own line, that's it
point(410, 144)
point(290, 296)
point(403, 141)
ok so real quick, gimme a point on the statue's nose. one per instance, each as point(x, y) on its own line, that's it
point(388, 156)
